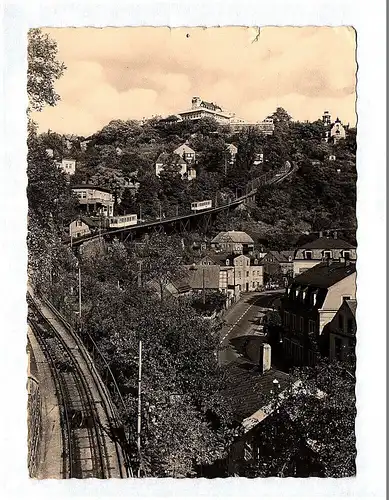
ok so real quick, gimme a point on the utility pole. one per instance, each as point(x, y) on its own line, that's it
point(140, 211)
point(176, 210)
point(140, 275)
point(203, 286)
point(79, 292)
point(139, 403)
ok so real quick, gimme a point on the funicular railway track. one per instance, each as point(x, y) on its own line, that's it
point(87, 449)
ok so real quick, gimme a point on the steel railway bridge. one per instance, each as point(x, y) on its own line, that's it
point(200, 221)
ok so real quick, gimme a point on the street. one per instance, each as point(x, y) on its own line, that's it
point(242, 331)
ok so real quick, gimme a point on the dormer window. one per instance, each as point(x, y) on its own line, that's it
point(227, 262)
point(255, 262)
point(308, 255)
point(346, 255)
point(327, 254)
point(314, 298)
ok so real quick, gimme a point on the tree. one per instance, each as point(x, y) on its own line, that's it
point(280, 116)
point(161, 261)
point(43, 70)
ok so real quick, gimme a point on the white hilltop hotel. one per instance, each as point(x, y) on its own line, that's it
point(203, 109)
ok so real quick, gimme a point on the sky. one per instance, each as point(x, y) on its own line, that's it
point(132, 73)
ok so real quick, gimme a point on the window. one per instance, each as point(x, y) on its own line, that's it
point(346, 255)
point(314, 298)
point(293, 321)
point(341, 322)
point(301, 324)
point(227, 262)
point(308, 255)
point(239, 274)
point(327, 254)
point(286, 318)
point(247, 274)
point(311, 326)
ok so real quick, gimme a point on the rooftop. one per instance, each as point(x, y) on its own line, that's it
point(89, 221)
point(327, 243)
point(233, 237)
point(352, 304)
point(204, 276)
point(325, 274)
point(91, 186)
point(249, 389)
point(184, 148)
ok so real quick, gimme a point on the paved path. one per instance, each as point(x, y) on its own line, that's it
point(243, 320)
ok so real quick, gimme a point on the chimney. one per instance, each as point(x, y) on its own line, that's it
point(335, 235)
point(321, 234)
point(265, 359)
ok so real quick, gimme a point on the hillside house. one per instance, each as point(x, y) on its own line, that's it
point(82, 226)
point(174, 163)
point(187, 153)
point(232, 151)
point(67, 165)
point(94, 200)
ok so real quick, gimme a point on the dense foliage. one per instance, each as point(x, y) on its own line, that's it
point(311, 433)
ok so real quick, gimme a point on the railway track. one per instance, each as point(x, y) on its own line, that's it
point(88, 450)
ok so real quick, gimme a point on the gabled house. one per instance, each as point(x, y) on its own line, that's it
point(323, 248)
point(176, 163)
point(233, 242)
point(309, 304)
point(82, 226)
point(186, 152)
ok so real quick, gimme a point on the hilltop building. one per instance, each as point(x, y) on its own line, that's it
point(203, 109)
point(338, 131)
point(334, 130)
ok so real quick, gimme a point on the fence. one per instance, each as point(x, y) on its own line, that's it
point(34, 419)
